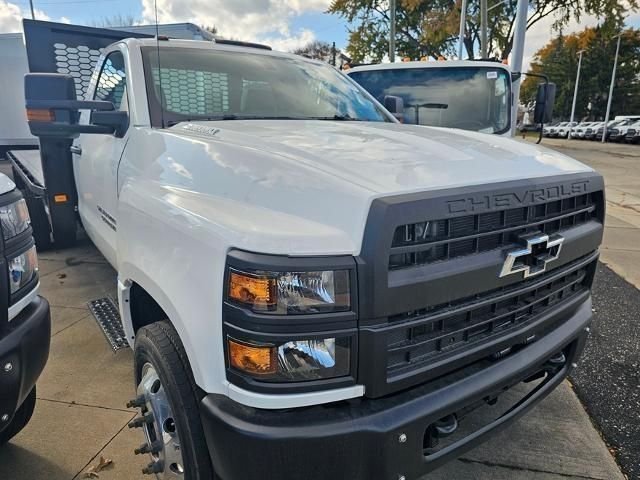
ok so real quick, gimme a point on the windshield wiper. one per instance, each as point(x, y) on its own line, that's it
point(232, 116)
point(340, 117)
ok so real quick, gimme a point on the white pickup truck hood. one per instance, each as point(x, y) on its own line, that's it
point(391, 158)
point(306, 187)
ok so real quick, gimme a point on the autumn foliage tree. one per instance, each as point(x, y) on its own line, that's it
point(559, 61)
point(430, 27)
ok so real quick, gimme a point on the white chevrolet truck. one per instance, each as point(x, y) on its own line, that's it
point(310, 288)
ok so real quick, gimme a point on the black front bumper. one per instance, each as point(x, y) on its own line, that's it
point(359, 439)
point(26, 348)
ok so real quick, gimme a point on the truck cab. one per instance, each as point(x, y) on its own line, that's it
point(25, 325)
point(465, 94)
point(306, 282)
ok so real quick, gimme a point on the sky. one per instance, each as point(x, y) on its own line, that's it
point(284, 24)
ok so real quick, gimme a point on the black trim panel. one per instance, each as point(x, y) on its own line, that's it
point(316, 440)
point(26, 347)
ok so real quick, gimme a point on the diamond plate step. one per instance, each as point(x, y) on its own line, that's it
point(105, 311)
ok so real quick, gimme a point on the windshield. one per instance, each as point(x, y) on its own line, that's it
point(471, 98)
point(194, 83)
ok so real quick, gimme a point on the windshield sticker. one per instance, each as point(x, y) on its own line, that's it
point(492, 74)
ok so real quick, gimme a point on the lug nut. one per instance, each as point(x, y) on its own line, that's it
point(8, 367)
point(146, 448)
point(140, 421)
point(153, 467)
point(136, 402)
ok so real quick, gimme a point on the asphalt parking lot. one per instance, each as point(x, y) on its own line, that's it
point(81, 414)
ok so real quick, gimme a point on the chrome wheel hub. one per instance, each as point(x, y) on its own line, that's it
point(160, 430)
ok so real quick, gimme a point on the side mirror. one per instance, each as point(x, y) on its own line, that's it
point(52, 107)
point(395, 106)
point(114, 119)
point(545, 99)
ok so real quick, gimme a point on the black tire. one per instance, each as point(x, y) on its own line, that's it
point(20, 419)
point(160, 345)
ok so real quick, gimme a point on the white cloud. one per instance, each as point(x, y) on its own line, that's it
point(11, 16)
point(542, 32)
point(267, 21)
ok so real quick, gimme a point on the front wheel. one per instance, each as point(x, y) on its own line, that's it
point(168, 399)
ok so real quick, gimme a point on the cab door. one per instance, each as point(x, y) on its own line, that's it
point(97, 156)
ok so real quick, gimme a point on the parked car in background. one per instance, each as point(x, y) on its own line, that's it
point(563, 130)
point(591, 131)
point(579, 131)
point(550, 130)
point(619, 131)
point(633, 133)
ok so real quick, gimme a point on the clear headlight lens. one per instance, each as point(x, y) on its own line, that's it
point(292, 361)
point(14, 218)
point(291, 292)
point(22, 269)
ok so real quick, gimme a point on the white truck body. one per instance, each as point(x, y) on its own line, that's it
point(181, 205)
point(14, 130)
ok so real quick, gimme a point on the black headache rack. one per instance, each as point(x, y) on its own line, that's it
point(46, 177)
point(433, 299)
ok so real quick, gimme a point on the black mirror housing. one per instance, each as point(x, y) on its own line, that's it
point(116, 119)
point(395, 106)
point(545, 100)
point(52, 107)
point(40, 88)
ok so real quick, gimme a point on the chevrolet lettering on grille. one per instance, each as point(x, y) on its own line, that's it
point(532, 259)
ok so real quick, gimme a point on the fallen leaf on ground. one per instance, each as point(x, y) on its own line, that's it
point(102, 464)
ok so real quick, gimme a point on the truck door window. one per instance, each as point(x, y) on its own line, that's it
point(112, 84)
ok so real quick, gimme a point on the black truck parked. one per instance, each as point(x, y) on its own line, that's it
point(25, 325)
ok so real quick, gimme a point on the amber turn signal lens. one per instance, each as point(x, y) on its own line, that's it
point(40, 115)
point(252, 290)
point(60, 198)
point(254, 359)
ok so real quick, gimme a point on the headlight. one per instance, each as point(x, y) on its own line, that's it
point(291, 361)
point(291, 292)
point(22, 269)
point(14, 218)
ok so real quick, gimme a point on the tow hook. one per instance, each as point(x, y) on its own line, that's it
point(440, 429)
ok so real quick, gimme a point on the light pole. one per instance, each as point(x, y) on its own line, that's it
point(392, 31)
point(33, 15)
point(463, 22)
point(575, 94)
point(613, 79)
point(484, 48)
point(517, 55)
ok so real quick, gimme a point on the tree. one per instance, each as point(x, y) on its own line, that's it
point(430, 27)
point(559, 61)
point(116, 20)
point(316, 49)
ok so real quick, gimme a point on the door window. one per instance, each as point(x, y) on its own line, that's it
point(112, 83)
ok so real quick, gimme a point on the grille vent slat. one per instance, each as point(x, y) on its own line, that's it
point(437, 240)
point(427, 335)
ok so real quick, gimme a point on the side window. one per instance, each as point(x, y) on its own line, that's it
point(112, 84)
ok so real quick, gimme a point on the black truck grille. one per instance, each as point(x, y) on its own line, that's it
point(436, 240)
point(429, 335)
